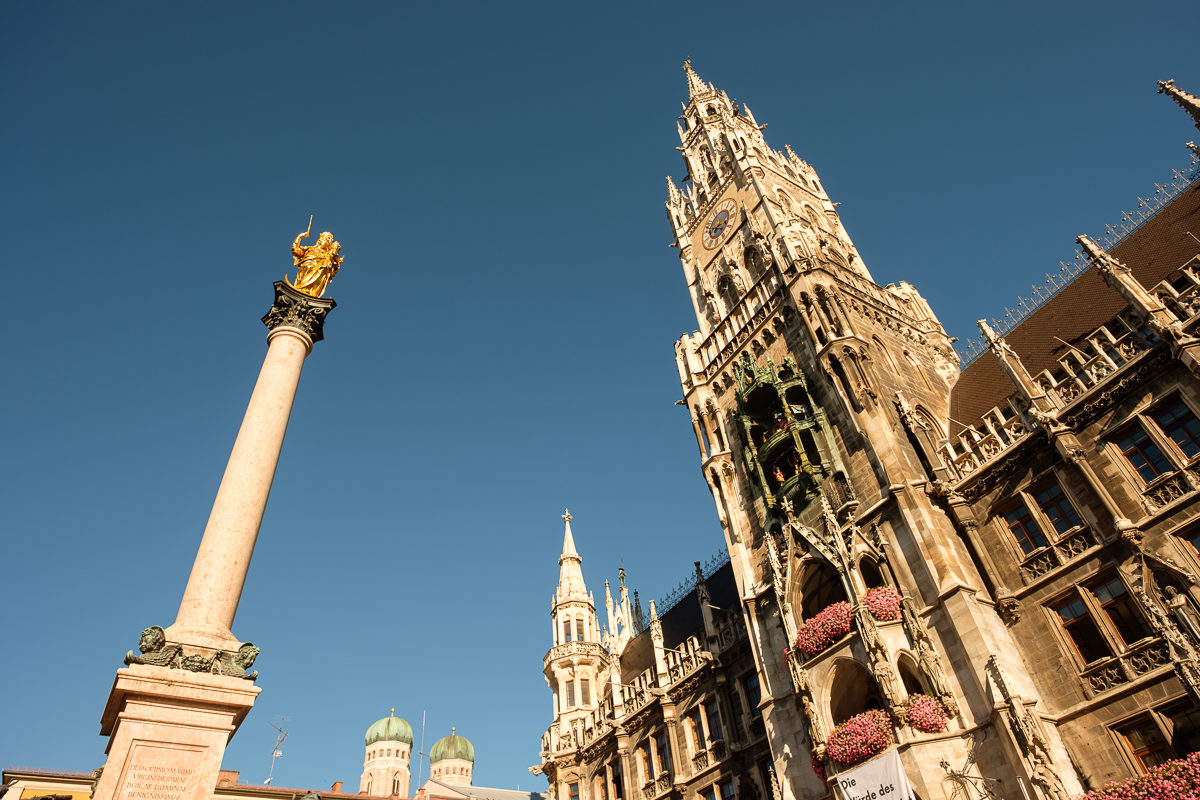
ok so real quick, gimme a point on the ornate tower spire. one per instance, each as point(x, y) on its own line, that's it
point(570, 572)
point(1188, 102)
point(576, 659)
point(696, 86)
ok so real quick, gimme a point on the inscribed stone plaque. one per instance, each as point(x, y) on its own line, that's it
point(161, 772)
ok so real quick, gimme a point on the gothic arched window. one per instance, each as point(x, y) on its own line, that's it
point(852, 691)
point(871, 575)
point(728, 291)
point(755, 264)
point(820, 587)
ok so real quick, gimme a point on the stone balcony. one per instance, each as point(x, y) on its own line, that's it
point(1142, 658)
point(586, 649)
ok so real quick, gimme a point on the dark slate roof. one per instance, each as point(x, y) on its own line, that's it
point(679, 622)
point(1159, 247)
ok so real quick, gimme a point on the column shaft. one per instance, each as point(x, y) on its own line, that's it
point(214, 588)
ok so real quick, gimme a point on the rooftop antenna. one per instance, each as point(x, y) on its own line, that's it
point(280, 737)
point(421, 755)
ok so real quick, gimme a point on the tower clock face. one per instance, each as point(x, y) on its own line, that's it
point(719, 224)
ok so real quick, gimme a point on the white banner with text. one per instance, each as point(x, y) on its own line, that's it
point(881, 778)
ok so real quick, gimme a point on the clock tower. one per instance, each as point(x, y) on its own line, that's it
point(816, 396)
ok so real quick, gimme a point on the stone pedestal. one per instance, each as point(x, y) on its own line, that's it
point(167, 732)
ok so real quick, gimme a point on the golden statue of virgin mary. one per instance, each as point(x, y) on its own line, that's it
point(316, 264)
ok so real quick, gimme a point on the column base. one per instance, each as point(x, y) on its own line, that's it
point(202, 637)
point(167, 731)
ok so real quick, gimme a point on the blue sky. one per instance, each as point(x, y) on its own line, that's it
point(502, 345)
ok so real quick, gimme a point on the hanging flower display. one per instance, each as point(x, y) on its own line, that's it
point(884, 603)
point(817, 767)
point(859, 738)
point(823, 629)
point(926, 713)
point(1171, 780)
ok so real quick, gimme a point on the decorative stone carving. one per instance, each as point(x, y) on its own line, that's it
point(931, 666)
point(157, 652)
point(236, 664)
point(294, 309)
point(803, 687)
point(1009, 609)
point(1029, 737)
point(928, 660)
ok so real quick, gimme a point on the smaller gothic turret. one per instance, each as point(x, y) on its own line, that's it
point(577, 658)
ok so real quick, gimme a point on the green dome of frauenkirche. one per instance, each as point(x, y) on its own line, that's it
point(452, 746)
point(390, 729)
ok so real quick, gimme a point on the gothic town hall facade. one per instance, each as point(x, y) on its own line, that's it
point(989, 569)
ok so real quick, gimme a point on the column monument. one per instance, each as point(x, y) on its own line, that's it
point(178, 702)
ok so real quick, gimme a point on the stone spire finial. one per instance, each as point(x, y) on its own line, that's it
point(673, 196)
point(1120, 277)
point(568, 539)
point(570, 573)
point(695, 85)
point(1101, 260)
point(1187, 101)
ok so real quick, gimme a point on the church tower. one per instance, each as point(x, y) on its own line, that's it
point(389, 744)
point(816, 396)
point(577, 659)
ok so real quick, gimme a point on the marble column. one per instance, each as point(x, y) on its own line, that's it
point(214, 588)
point(174, 708)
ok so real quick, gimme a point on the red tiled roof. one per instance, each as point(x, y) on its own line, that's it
point(1155, 250)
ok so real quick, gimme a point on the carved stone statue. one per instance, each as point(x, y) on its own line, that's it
point(155, 650)
point(237, 664)
point(931, 667)
point(315, 264)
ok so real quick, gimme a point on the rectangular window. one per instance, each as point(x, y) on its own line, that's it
point(710, 793)
point(572, 788)
point(1082, 629)
point(618, 790)
point(753, 694)
point(1146, 741)
point(1184, 727)
point(726, 790)
point(715, 732)
point(1057, 508)
point(662, 752)
point(566, 631)
point(1119, 606)
point(1180, 425)
point(579, 630)
point(585, 692)
point(570, 694)
point(1143, 454)
point(644, 764)
point(603, 787)
point(695, 731)
point(1028, 535)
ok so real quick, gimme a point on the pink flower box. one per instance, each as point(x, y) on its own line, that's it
point(859, 738)
point(884, 603)
point(926, 713)
point(817, 767)
point(823, 629)
point(1172, 780)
